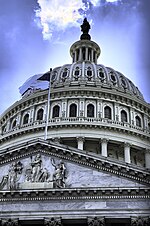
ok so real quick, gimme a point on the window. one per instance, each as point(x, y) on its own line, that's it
point(26, 119)
point(40, 114)
point(149, 126)
point(107, 112)
point(123, 116)
point(14, 124)
point(55, 111)
point(138, 121)
point(90, 110)
point(73, 110)
point(76, 73)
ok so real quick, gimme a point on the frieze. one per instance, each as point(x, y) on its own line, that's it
point(70, 154)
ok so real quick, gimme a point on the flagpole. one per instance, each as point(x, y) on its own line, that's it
point(48, 106)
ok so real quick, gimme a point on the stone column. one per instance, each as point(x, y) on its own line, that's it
point(53, 221)
point(127, 156)
point(80, 54)
point(104, 147)
point(92, 55)
point(86, 53)
point(147, 158)
point(80, 141)
point(96, 221)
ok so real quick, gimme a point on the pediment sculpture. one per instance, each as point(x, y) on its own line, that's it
point(32, 175)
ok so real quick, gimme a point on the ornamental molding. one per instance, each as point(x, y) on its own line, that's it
point(78, 123)
point(67, 153)
point(75, 194)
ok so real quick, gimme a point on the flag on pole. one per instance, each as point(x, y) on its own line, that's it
point(36, 82)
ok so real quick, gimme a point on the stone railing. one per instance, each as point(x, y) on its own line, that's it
point(82, 121)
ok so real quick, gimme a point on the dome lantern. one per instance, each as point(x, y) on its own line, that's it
point(85, 49)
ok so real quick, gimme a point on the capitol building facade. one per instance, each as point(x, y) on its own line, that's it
point(76, 153)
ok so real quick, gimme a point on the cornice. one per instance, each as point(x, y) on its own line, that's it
point(67, 153)
point(75, 194)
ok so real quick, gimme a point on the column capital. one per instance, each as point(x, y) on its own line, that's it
point(104, 140)
point(147, 150)
point(126, 144)
point(9, 222)
point(96, 221)
point(137, 221)
point(56, 139)
point(52, 221)
point(80, 139)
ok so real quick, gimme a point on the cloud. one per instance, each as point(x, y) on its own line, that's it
point(58, 15)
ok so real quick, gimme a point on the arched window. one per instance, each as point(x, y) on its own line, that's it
point(90, 110)
point(14, 123)
point(40, 114)
point(138, 121)
point(107, 112)
point(123, 116)
point(56, 110)
point(26, 119)
point(73, 110)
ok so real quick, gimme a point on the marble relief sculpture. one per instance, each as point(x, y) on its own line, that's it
point(10, 180)
point(34, 173)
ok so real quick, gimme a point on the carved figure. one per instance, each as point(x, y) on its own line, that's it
point(44, 175)
point(12, 177)
point(60, 174)
point(35, 173)
point(36, 168)
point(28, 174)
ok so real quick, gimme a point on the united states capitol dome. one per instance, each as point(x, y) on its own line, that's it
point(75, 149)
point(84, 70)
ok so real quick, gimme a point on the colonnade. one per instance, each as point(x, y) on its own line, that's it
point(104, 150)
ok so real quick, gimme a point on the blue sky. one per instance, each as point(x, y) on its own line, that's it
point(36, 35)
